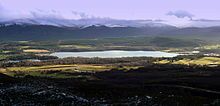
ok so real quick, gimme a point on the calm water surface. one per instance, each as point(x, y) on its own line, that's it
point(114, 54)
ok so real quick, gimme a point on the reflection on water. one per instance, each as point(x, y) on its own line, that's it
point(114, 54)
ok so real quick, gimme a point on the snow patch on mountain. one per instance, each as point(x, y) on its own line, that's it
point(84, 22)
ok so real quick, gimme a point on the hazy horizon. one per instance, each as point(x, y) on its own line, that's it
point(174, 12)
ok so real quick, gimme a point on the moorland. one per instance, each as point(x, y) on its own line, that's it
point(30, 75)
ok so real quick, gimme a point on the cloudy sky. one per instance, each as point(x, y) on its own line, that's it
point(174, 11)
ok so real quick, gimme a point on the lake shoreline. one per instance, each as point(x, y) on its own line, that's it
point(114, 54)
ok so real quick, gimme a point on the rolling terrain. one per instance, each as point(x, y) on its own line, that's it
point(31, 76)
point(27, 31)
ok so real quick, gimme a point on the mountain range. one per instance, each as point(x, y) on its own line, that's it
point(58, 29)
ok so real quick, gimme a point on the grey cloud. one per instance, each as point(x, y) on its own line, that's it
point(45, 14)
point(206, 20)
point(180, 14)
point(81, 15)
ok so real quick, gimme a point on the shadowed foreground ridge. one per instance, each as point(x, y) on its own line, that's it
point(151, 85)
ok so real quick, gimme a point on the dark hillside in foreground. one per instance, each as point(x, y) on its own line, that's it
point(154, 85)
point(45, 32)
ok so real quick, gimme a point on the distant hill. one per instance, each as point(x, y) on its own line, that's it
point(49, 32)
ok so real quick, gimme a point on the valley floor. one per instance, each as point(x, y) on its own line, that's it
point(30, 76)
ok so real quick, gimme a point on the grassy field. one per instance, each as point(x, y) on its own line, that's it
point(61, 71)
point(35, 51)
point(77, 46)
point(58, 71)
point(210, 47)
point(63, 68)
point(3, 57)
point(20, 50)
point(199, 61)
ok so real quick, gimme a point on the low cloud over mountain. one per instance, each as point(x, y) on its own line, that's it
point(204, 23)
point(181, 14)
point(81, 19)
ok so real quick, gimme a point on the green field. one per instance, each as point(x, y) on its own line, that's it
point(38, 70)
point(200, 61)
point(59, 71)
point(24, 50)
